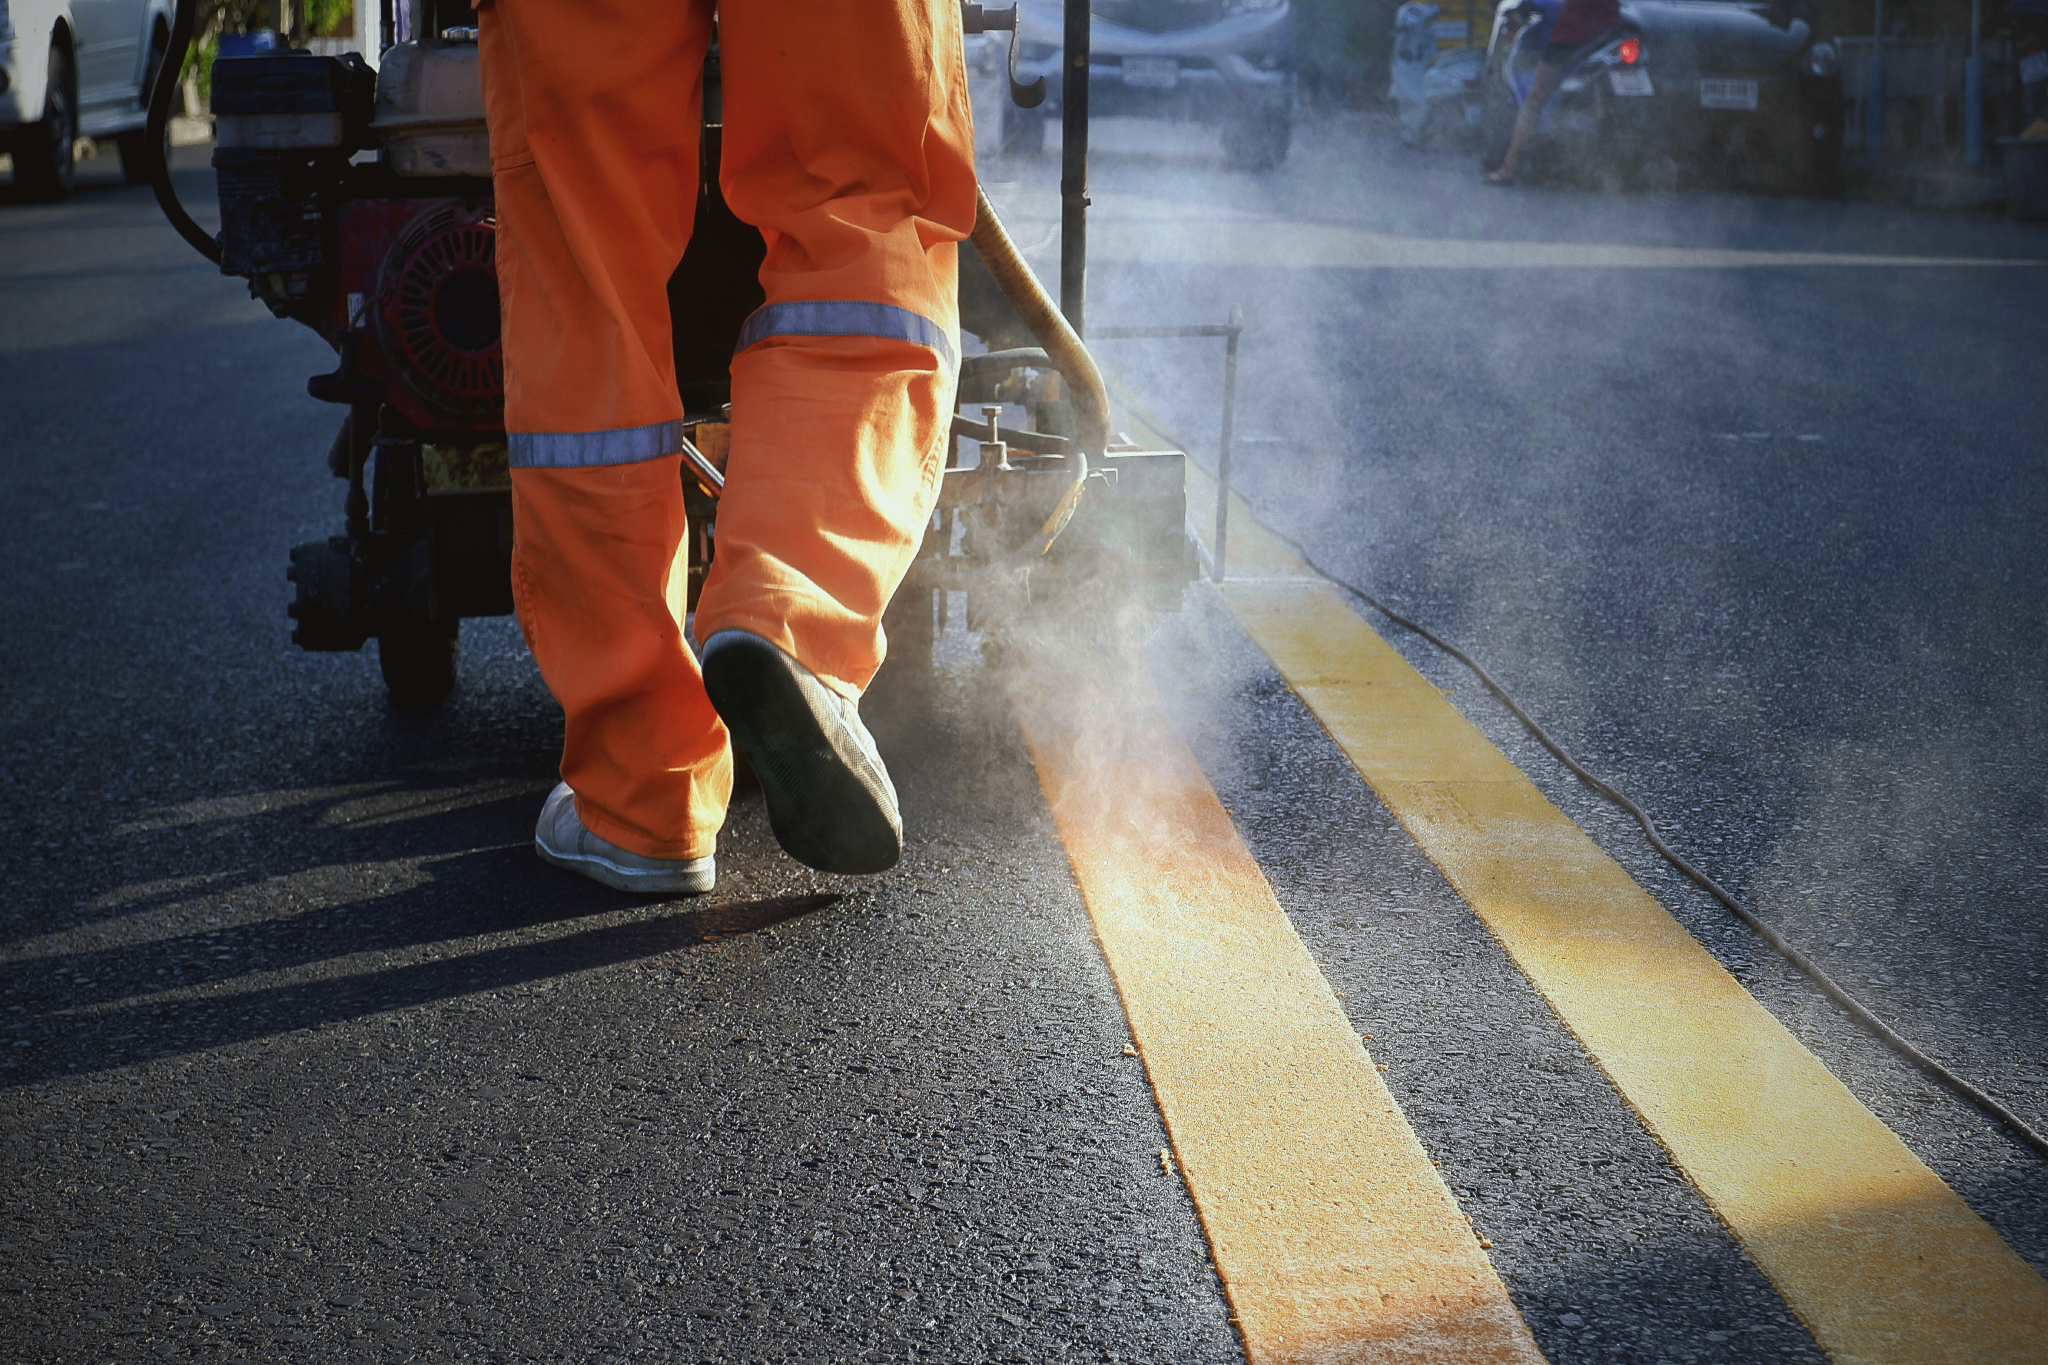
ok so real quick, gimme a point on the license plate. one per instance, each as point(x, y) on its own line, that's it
point(1727, 94)
point(1151, 73)
point(1633, 81)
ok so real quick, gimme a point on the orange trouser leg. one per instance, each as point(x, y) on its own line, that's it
point(593, 109)
point(849, 143)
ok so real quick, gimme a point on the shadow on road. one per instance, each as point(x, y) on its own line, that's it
point(72, 1042)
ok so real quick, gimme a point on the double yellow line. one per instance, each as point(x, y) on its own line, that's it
point(1335, 1238)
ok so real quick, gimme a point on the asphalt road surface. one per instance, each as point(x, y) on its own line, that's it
point(306, 1056)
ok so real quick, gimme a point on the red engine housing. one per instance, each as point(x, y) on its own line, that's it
point(419, 291)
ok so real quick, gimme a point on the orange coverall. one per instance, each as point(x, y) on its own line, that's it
point(849, 143)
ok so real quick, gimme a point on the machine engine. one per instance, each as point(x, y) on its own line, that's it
point(421, 286)
point(392, 261)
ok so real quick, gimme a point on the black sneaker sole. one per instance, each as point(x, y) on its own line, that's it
point(825, 804)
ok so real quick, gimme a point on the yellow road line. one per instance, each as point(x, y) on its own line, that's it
point(1278, 244)
point(1335, 1237)
point(1154, 231)
point(1877, 1256)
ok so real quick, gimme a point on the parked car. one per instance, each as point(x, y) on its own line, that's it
point(1224, 62)
point(1716, 90)
point(71, 69)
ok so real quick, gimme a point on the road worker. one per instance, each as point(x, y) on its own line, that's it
point(1578, 23)
point(848, 142)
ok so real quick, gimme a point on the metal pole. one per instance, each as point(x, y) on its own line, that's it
point(1074, 168)
point(1873, 91)
point(1223, 446)
point(1973, 90)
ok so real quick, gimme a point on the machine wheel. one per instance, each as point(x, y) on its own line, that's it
point(134, 145)
point(43, 165)
point(1257, 140)
point(1020, 132)
point(418, 661)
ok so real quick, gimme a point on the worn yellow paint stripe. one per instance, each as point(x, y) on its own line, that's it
point(1335, 1238)
point(1880, 1259)
point(1158, 231)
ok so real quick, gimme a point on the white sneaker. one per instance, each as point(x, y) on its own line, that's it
point(561, 839)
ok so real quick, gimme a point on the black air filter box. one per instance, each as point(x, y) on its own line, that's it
point(286, 124)
point(293, 99)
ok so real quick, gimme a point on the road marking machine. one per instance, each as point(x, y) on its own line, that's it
point(358, 202)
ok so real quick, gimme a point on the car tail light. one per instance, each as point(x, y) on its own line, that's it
point(1630, 51)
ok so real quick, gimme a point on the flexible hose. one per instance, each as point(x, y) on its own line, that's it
point(1087, 392)
point(1047, 325)
point(156, 134)
point(1783, 946)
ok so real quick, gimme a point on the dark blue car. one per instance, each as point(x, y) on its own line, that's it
point(1717, 91)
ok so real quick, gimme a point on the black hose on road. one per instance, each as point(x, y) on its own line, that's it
point(1785, 948)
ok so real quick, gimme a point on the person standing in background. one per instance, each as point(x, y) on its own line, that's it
point(1578, 23)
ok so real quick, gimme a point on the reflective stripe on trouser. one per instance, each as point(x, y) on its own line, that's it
point(848, 142)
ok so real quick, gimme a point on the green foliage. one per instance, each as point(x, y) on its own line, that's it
point(310, 19)
point(199, 65)
point(234, 16)
point(323, 17)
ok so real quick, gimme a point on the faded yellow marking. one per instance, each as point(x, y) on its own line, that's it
point(1335, 1238)
point(1155, 231)
point(1878, 1257)
point(1280, 244)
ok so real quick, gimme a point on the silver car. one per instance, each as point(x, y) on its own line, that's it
point(72, 69)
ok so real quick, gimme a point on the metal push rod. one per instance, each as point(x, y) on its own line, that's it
point(1074, 168)
point(1230, 331)
point(1223, 448)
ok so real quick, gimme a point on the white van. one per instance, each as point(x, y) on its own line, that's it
point(71, 69)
